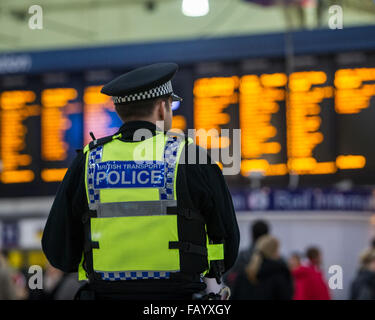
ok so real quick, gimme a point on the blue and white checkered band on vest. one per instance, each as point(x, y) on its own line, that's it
point(165, 88)
point(134, 275)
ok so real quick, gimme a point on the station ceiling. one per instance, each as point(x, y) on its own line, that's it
point(85, 23)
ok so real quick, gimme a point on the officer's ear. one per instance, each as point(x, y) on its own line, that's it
point(161, 109)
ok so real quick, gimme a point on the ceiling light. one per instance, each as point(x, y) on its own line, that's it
point(195, 8)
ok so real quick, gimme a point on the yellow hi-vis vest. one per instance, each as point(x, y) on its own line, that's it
point(132, 229)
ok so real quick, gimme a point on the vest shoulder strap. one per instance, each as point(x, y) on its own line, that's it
point(99, 142)
point(188, 140)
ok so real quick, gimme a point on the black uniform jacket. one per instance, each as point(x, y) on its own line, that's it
point(63, 236)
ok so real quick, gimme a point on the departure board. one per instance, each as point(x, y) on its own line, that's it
point(18, 112)
point(314, 120)
point(305, 123)
point(310, 117)
point(262, 117)
point(354, 83)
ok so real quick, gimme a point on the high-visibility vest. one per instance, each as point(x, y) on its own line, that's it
point(134, 228)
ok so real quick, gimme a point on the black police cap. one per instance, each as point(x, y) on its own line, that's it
point(144, 83)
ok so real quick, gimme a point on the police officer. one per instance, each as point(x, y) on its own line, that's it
point(136, 215)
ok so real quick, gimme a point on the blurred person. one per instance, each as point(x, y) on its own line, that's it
point(51, 281)
point(311, 282)
point(18, 278)
point(302, 277)
point(294, 261)
point(57, 285)
point(266, 276)
point(139, 229)
point(257, 229)
point(297, 270)
point(8, 290)
point(69, 287)
point(363, 286)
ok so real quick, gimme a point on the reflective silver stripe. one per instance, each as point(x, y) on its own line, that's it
point(134, 208)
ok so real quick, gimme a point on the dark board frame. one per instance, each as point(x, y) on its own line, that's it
point(320, 41)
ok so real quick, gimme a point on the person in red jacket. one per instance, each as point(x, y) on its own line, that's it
point(309, 282)
point(300, 276)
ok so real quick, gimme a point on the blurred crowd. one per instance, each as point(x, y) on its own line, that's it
point(56, 285)
point(260, 273)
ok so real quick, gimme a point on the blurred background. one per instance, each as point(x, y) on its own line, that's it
point(296, 76)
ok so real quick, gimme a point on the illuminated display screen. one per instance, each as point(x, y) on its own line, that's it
point(212, 96)
point(307, 109)
point(18, 108)
point(99, 114)
point(262, 103)
point(316, 121)
point(60, 109)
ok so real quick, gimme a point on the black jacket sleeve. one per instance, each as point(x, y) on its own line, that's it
point(209, 193)
point(63, 236)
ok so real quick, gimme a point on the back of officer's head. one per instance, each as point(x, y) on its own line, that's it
point(152, 110)
point(258, 228)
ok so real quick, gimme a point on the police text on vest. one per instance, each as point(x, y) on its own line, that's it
point(129, 174)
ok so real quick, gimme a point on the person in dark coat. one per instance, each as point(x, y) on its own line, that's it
point(257, 229)
point(266, 276)
point(363, 287)
point(57, 285)
point(7, 287)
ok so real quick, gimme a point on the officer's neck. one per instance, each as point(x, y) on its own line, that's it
point(137, 124)
point(159, 124)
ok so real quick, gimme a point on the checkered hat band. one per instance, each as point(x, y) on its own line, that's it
point(161, 90)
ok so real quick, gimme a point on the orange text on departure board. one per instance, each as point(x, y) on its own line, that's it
point(15, 107)
point(55, 122)
point(304, 121)
point(259, 97)
point(56, 106)
point(211, 97)
point(353, 90)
